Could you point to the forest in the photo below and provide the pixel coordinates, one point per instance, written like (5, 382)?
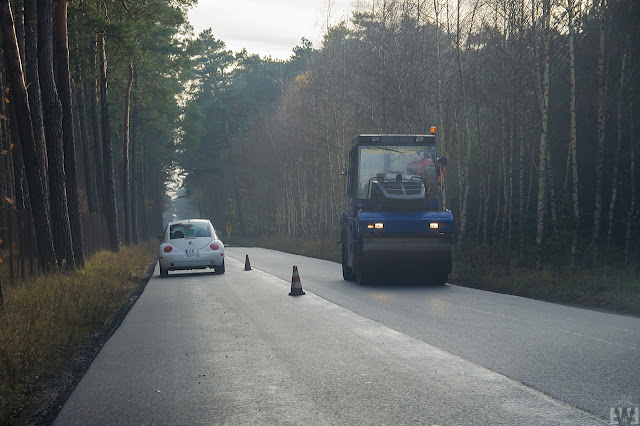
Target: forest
(534, 103)
(88, 127)
(107, 103)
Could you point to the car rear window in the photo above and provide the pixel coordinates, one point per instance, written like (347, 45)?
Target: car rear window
(189, 230)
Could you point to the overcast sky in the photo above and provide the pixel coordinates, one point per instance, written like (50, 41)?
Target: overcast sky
(266, 27)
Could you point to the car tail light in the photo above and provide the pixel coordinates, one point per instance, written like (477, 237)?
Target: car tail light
(167, 249)
(214, 246)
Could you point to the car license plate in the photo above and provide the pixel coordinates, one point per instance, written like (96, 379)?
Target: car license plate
(192, 253)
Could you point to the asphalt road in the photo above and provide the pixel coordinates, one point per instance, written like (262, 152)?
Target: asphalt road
(585, 358)
(199, 348)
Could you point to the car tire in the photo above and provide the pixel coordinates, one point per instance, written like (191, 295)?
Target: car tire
(347, 271)
(219, 269)
(361, 278)
(164, 272)
(359, 274)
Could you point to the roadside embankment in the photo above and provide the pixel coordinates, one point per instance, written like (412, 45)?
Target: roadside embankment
(52, 326)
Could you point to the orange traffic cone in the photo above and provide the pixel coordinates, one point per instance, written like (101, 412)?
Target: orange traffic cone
(296, 286)
(247, 264)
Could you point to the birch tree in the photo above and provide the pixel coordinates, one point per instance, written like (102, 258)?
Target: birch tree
(600, 133)
(441, 133)
(572, 133)
(464, 151)
(542, 86)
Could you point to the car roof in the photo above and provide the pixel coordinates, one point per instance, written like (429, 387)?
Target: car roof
(189, 220)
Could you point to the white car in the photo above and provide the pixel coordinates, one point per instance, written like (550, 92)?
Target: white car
(190, 244)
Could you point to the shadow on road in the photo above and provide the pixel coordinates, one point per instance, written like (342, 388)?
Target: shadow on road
(388, 282)
(183, 274)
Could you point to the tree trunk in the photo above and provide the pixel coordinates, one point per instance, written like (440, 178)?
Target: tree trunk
(5, 169)
(52, 109)
(552, 189)
(510, 192)
(496, 218)
(600, 135)
(84, 141)
(631, 215)
(572, 135)
(8, 153)
(31, 238)
(521, 202)
(64, 85)
(464, 162)
(97, 124)
(10, 242)
(19, 24)
(156, 196)
(505, 179)
(126, 181)
(144, 216)
(236, 190)
(17, 166)
(134, 162)
(543, 101)
(87, 149)
(487, 199)
(32, 79)
(616, 155)
(441, 135)
(111, 209)
(33, 157)
(23, 242)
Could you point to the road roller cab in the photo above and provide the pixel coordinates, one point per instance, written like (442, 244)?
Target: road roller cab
(394, 220)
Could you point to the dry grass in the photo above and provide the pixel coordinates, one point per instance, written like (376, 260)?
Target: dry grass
(44, 320)
(614, 288)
